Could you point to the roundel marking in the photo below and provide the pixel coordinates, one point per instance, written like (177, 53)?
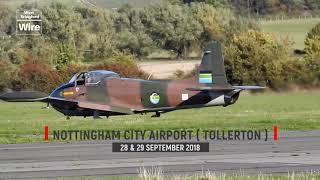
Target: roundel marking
(154, 98)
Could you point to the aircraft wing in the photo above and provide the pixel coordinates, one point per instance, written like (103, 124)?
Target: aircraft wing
(24, 96)
(95, 106)
(104, 107)
(249, 87)
(34, 96)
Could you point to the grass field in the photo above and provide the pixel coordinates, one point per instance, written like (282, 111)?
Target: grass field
(293, 28)
(23, 122)
(156, 174)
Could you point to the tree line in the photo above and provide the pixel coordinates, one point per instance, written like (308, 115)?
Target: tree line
(265, 7)
(82, 38)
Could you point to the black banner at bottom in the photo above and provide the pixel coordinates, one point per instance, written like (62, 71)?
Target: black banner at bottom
(160, 147)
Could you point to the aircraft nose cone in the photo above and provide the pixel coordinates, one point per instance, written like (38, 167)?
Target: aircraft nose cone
(58, 92)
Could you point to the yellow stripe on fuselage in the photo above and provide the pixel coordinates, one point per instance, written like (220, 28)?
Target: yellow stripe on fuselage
(67, 93)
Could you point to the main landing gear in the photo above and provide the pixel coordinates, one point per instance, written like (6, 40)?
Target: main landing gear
(96, 114)
(157, 114)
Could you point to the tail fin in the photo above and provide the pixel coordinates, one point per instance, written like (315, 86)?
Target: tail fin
(212, 71)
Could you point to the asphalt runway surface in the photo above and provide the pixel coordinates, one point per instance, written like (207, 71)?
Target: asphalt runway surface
(294, 151)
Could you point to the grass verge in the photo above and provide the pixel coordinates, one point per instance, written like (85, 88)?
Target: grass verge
(156, 174)
(296, 29)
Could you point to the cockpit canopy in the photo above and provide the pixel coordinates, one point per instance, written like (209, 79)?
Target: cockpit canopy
(92, 78)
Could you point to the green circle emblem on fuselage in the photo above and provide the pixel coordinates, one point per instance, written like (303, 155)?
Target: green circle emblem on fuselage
(154, 98)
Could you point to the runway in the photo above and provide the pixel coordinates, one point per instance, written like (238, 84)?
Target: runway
(294, 151)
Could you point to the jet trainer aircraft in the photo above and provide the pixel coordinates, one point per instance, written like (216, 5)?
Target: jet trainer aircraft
(105, 93)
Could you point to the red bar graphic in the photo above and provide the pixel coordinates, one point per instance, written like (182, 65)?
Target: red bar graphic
(275, 133)
(46, 133)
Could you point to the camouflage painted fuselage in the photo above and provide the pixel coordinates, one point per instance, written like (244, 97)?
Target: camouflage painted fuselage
(128, 96)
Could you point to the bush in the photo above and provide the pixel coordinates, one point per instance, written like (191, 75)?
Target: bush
(179, 74)
(315, 31)
(312, 56)
(312, 42)
(172, 27)
(255, 57)
(210, 19)
(123, 64)
(37, 76)
(65, 56)
(67, 71)
(6, 72)
(295, 71)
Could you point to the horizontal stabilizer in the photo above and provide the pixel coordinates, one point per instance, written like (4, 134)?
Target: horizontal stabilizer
(226, 88)
(24, 96)
(249, 87)
(211, 88)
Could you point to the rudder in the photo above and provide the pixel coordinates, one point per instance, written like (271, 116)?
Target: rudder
(212, 71)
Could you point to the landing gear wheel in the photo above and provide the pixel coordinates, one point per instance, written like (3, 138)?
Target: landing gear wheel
(157, 114)
(68, 117)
